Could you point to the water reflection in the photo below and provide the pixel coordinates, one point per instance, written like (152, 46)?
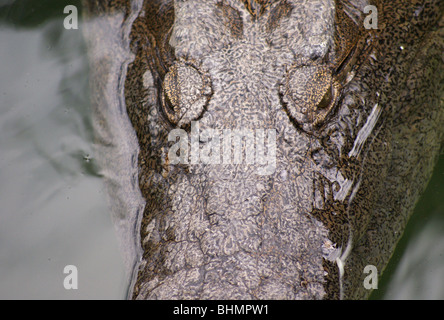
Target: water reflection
(416, 270)
(52, 205)
(420, 273)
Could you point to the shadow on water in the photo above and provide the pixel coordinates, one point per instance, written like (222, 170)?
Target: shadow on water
(31, 13)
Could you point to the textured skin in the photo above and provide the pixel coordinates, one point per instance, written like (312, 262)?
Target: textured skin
(358, 116)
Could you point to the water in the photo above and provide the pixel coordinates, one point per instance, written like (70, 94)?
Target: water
(416, 270)
(53, 209)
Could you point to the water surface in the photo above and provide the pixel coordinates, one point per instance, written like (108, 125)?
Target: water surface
(53, 209)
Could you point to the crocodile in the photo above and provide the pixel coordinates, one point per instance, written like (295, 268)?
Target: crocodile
(267, 149)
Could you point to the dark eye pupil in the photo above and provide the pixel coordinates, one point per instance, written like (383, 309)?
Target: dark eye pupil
(326, 100)
(169, 101)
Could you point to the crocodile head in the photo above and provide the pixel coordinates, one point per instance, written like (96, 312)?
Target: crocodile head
(283, 144)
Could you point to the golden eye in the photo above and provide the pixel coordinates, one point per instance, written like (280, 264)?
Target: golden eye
(186, 92)
(171, 90)
(309, 95)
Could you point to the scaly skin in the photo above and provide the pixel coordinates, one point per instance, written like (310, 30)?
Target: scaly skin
(358, 116)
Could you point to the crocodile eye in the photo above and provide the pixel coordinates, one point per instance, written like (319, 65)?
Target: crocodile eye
(326, 100)
(186, 92)
(309, 94)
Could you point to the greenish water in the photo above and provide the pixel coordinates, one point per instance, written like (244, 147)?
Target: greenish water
(416, 270)
(53, 209)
